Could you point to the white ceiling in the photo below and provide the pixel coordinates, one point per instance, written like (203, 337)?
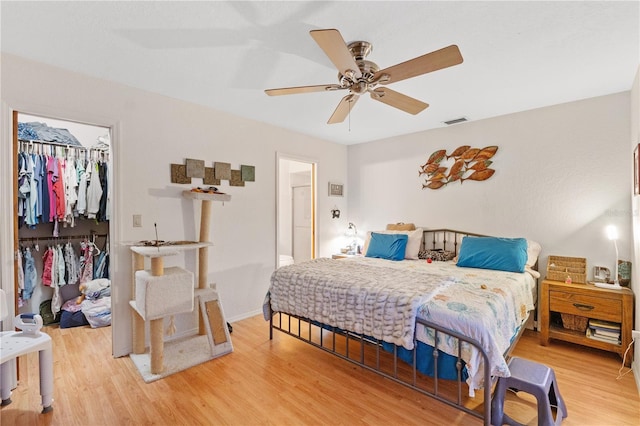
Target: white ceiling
(517, 55)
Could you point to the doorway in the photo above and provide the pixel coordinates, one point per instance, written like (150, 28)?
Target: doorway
(296, 215)
(66, 225)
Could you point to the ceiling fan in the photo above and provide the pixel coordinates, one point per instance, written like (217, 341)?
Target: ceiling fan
(360, 76)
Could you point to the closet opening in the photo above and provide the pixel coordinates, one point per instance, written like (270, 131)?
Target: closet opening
(62, 209)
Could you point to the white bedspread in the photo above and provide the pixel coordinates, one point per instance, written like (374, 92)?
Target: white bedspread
(381, 298)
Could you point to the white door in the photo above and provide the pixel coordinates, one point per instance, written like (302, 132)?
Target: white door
(302, 223)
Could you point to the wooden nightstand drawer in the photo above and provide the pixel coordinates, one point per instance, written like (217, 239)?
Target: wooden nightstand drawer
(584, 305)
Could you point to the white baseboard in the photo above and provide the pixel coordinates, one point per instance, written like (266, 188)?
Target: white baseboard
(245, 316)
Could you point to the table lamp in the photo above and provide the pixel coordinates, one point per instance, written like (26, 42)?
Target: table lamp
(612, 234)
(352, 232)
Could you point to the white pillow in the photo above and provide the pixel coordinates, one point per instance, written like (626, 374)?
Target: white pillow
(533, 251)
(414, 242)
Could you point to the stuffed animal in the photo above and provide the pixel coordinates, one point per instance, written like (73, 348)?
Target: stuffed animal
(94, 289)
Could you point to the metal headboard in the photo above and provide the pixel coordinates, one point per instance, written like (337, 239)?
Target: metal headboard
(444, 239)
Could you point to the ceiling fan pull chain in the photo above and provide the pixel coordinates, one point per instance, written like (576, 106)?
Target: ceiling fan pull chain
(349, 116)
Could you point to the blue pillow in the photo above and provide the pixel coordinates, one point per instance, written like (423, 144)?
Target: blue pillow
(502, 254)
(387, 246)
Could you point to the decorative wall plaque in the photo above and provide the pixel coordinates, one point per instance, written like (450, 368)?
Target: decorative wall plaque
(335, 189)
(236, 178)
(464, 163)
(195, 168)
(179, 174)
(182, 173)
(209, 177)
(248, 173)
(222, 170)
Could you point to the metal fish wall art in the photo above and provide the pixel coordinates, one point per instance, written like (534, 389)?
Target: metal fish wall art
(468, 164)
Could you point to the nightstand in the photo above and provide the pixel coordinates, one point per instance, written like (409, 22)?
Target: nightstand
(586, 300)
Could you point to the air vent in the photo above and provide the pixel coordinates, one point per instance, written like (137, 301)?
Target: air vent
(455, 121)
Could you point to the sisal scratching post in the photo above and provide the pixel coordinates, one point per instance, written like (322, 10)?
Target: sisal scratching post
(201, 328)
(203, 259)
(138, 333)
(137, 264)
(203, 256)
(157, 346)
(157, 340)
(216, 326)
(157, 266)
(216, 322)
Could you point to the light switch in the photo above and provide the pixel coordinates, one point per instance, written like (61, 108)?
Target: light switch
(137, 221)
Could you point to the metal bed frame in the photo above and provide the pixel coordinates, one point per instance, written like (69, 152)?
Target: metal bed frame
(314, 334)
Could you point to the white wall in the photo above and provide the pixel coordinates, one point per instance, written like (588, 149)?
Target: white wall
(562, 174)
(149, 133)
(635, 279)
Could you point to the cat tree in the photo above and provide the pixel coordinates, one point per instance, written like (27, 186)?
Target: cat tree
(158, 293)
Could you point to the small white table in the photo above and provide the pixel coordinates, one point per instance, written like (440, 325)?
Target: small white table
(14, 344)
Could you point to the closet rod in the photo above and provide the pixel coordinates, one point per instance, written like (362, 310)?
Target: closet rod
(68, 237)
(65, 145)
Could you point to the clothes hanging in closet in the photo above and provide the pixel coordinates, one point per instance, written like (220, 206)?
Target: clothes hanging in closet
(62, 264)
(30, 274)
(58, 185)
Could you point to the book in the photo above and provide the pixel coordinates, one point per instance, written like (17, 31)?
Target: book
(601, 338)
(605, 333)
(605, 325)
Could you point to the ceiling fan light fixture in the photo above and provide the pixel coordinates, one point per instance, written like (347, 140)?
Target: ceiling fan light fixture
(456, 121)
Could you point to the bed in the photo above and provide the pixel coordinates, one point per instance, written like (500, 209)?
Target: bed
(432, 325)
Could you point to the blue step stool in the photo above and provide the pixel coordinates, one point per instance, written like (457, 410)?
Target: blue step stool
(535, 379)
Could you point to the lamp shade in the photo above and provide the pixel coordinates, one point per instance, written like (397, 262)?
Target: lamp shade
(612, 234)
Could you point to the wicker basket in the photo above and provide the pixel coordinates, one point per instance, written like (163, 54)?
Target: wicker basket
(559, 268)
(575, 322)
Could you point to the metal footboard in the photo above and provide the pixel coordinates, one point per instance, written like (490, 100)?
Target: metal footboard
(370, 355)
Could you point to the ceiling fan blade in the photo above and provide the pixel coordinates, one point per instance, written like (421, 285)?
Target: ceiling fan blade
(398, 100)
(343, 109)
(436, 60)
(303, 89)
(335, 48)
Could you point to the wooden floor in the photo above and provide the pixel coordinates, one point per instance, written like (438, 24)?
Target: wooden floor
(287, 382)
